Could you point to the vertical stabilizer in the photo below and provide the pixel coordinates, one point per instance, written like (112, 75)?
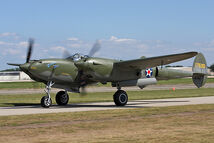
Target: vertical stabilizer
(199, 69)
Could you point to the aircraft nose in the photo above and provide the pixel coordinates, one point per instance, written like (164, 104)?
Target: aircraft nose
(25, 67)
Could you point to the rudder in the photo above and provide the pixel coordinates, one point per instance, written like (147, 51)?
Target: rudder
(199, 69)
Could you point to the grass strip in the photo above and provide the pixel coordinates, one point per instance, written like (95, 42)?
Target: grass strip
(177, 124)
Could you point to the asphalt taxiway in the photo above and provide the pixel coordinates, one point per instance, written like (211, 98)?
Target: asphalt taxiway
(24, 110)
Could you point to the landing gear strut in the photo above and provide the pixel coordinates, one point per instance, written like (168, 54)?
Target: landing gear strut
(120, 98)
(46, 101)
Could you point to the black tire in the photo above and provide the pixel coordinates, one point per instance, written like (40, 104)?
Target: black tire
(45, 103)
(120, 98)
(62, 98)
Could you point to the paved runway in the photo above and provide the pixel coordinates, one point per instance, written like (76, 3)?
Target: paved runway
(23, 110)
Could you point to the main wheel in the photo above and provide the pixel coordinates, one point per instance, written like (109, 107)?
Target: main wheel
(120, 98)
(62, 98)
(45, 102)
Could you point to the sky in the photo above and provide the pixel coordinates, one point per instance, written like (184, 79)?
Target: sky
(127, 29)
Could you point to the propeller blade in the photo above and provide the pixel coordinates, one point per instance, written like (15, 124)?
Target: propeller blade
(96, 47)
(83, 91)
(30, 48)
(66, 54)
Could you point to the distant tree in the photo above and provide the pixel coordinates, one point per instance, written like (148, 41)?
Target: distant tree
(178, 66)
(212, 67)
(143, 57)
(168, 66)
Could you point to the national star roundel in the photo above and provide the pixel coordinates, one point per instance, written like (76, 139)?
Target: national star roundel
(148, 72)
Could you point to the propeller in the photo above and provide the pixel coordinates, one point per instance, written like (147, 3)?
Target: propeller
(29, 52)
(30, 48)
(95, 48)
(83, 91)
(66, 54)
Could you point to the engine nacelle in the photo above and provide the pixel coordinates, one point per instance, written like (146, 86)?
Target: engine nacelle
(143, 82)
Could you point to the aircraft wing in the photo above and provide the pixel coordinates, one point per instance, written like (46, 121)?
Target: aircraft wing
(153, 61)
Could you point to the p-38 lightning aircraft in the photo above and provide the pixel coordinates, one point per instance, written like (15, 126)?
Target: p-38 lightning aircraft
(77, 71)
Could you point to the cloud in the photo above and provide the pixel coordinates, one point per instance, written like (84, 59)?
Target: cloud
(209, 44)
(58, 48)
(209, 49)
(3, 43)
(6, 43)
(206, 47)
(14, 44)
(75, 45)
(143, 46)
(7, 34)
(10, 51)
(115, 39)
(22, 44)
(73, 39)
(13, 51)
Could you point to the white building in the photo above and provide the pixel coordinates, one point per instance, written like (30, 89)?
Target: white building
(13, 76)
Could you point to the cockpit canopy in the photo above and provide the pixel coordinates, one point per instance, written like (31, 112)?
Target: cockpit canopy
(77, 57)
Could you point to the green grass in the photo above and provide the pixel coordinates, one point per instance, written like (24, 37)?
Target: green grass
(21, 85)
(177, 124)
(34, 99)
(36, 85)
(17, 120)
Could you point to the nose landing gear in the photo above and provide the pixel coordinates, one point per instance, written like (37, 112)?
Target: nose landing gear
(62, 97)
(46, 101)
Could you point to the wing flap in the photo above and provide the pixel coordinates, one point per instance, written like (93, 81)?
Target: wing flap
(153, 61)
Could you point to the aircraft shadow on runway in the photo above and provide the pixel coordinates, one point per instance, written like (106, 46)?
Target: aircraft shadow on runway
(132, 104)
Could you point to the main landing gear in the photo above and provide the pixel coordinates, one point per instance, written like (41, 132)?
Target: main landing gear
(120, 98)
(62, 97)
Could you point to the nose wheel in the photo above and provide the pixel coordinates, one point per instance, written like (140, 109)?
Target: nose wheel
(120, 98)
(46, 101)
